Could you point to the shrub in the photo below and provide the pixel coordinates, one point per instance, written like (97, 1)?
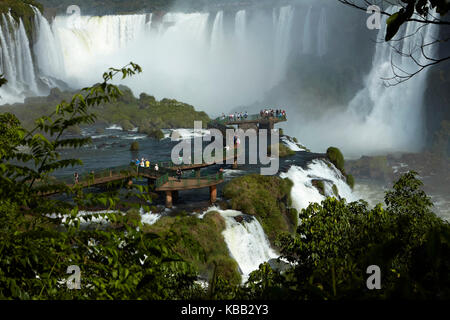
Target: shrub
(266, 197)
(134, 146)
(126, 125)
(336, 158)
(319, 185)
(335, 189)
(350, 181)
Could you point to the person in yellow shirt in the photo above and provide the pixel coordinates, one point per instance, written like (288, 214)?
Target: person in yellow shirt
(147, 164)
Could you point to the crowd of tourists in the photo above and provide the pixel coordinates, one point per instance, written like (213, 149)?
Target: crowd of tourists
(237, 116)
(145, 163)
(265, 113)
(271, 113)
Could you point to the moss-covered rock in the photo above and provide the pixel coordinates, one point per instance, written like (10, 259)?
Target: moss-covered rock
(319, 185)
(283, 151)
(268, 199)
(152, 132)
(134, 146)
(336, 190)
(126, 125)
(350, 181)
(336, 158)
(200, 242)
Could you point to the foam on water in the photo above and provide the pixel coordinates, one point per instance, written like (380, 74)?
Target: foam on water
(246, 241)
(303, 192)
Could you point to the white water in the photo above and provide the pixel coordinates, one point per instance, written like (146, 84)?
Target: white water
(200, 59)
(380, 119)
(246, 241)
(16, 61)
(282, 45)
(291, 144)
(181, 54)
(307, 36)
(47, 49)
(322, 33)
(185, 134)
(304, 193)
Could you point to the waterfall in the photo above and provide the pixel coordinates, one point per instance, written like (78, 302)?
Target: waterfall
(47, 49)
(179, 54)
(307, 33)
(240, 26)
(322, 34)
(282, 43)
(16, 61)
(303, 191)
(391, 117)
(245, 240)
(217, 34)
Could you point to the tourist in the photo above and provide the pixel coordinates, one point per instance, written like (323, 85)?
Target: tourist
(147, 163)
(142, 164)
(137, 162)
(179, 174)
(156, 167)
(76, 176)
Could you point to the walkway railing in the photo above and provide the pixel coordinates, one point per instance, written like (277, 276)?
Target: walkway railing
(189, 182)
(161, 180)
(90, 177)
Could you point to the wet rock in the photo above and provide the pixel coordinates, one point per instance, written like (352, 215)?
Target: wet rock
(319, 185)
(279, 265)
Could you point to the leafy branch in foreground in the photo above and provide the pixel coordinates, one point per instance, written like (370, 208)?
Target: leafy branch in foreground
(422, 12)
(40, 237)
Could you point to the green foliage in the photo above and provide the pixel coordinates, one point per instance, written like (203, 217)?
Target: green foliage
(319, 185)
(134, 146)
(126, 125)
(336, 158)
(350, 181)
(266, 197)
(336, 242)
(153, 133)
(283, 151)
(127, 111)
(421, 7)
(116, 260)
(200, 242)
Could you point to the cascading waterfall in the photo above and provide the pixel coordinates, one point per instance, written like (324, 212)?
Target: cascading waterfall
(392, 116)
(381, 118)
(240, 28)
(179, 54)
(282, 42)
(246, 241)
(303, 191)
(17, 62)
(217, 34)
(307, 35)
(47, 50)
(322, 34)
